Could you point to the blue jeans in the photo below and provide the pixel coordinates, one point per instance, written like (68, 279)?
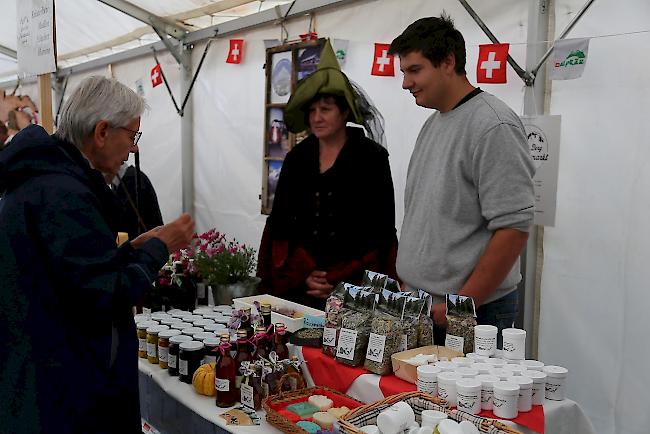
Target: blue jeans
(500, 313)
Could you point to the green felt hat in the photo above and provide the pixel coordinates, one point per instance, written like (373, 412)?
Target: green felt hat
(327, 79)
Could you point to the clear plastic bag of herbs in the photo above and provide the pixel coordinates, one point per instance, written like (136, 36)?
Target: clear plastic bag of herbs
(461, 319)
(411, 309)
(333, 312)
(355, 327)
(378, 282)
(383, 342)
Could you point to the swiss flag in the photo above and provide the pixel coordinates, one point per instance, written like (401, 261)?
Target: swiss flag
(236, 51)
(156, 75)
(492, 61)
(383, 64)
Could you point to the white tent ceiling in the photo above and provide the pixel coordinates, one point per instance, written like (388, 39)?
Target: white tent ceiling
(87, 30)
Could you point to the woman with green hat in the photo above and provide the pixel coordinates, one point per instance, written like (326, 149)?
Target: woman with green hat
(334, 209)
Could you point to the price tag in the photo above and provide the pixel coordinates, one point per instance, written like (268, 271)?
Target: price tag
(247, 395)
(347, 341)
(329, 337)
(151, 350)
(182, 366)
(171, 361)
(223, 385)
(454, 343)
(162, 354)
(376, 346)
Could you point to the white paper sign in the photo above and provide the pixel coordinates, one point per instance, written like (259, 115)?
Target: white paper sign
(35, 37)
(543, 134)
(329, 336)
(347, 341)
(223, 385)
(454, 343)
(376, 346)
(247, 395)
(569, 58)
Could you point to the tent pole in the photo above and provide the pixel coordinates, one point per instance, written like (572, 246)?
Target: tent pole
(187, 132)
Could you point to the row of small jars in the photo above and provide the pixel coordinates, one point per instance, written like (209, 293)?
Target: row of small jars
(506, 390)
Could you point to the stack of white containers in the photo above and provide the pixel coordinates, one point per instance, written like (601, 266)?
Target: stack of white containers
(490, 379)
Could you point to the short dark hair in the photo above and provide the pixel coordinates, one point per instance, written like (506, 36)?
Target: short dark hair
(339, 100)
(436, 38)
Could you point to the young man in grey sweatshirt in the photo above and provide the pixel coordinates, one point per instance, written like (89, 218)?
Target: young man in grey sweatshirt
(469, 201)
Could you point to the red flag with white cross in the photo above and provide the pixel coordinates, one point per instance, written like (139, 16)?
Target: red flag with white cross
(156, 75)
(492, 61)
(236, 51)
(383, 63)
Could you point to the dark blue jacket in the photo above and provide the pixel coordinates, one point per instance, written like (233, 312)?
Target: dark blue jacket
(68, 357)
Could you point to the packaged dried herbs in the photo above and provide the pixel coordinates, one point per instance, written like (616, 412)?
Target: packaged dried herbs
(425, 330)
(378, 281)
(353, 338)
(307, 337)
(411, 309)
(383, 342)
(333, 307)
(461, 319)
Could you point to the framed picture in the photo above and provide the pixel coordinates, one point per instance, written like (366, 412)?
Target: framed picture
(285, 66)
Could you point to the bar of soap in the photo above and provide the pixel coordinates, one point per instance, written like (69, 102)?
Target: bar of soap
(302, 409)
(310, 427)
(322, 402)
(338, 411)
(324, 420)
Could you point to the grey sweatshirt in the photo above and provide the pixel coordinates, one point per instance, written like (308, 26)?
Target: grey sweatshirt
(470, 174)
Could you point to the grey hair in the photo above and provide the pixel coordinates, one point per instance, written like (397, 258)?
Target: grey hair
(98, 98)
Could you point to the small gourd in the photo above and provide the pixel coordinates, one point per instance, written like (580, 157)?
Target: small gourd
(203, 380)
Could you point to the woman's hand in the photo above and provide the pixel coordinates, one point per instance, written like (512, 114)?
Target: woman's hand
(318, 285)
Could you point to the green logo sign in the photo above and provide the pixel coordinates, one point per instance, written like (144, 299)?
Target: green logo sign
(576, 57)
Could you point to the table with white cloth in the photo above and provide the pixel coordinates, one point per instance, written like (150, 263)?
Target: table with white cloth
(171, 406)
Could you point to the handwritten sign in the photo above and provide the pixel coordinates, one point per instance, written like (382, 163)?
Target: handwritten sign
(35, 28)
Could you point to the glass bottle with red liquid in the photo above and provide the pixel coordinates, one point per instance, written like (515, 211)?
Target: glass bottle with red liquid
(225, 375)
(261, 344)
(244, 353)
(280, 341)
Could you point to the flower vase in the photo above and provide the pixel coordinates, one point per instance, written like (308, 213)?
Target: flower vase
(224, 293)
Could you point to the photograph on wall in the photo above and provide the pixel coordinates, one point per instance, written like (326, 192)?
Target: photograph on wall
(277, 134)
(308, 59)
(272, 181)
(281, 77)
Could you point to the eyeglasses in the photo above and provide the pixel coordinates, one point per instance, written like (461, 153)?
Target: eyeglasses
(136, 137)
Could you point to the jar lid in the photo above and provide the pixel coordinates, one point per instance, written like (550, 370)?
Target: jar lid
(179, 339)
(211, 341)
(202, 322)
(448, 377)
(482, 368)
(485, 329)
(461, 361)
(173, 311)
(191, 330)
(523, 382)
(532, 364)
(506, 388)
(181, 325)
(154, 330)
(515, 369)
(202, 310)
(496, 362)
(145, 324)
(445, 366)
(466, 372)
(181, 314)
(468, 384)
(211, 315)
(169, 333)
(191, 318)
(514, 333)
(428, 371)
(191, 346)
(501, 373)
(199, 336)
(556, 371)
(487, 379)
(535, 375)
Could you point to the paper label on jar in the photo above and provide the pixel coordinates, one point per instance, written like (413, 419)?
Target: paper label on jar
(182, 366)
(347, 341)
(142, 345)
(329, 337)
(200, 290)
(151, 349)
(376, 346)
(171, 361)
(455, 343)
(247, 395)
(403, 343)
(223, 385)
(162, 353)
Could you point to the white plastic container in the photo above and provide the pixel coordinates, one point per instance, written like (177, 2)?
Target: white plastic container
(447, 387)
(525, 401)
(555, 382)
(445, 366)
(514, 344)
(539, 386)
(506, 396)
(462, 361)
(468, 391)
(485, 340)
(476, 357)
(496, 362)
(428, 379)
(466, 372)
(532, 365)
(487, 390)
(395, 418)
(432, 418)
(515, 369)
(501, 374)
(482, 368)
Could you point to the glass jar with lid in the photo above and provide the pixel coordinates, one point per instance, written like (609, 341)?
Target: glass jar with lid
(163, 346)
(142, 337)
(152, 342)
(172, 354)
(190, 355)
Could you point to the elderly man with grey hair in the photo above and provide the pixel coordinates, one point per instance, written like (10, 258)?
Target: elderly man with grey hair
(69, 349)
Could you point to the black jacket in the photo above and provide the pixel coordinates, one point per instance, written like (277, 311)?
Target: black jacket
(69, 350)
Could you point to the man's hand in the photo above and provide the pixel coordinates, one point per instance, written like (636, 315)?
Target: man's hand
(318, 285)
(142, 238)
(176, 235)
(438, 313)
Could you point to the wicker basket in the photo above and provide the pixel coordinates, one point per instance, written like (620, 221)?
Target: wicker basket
(281, 422)
(419, 401)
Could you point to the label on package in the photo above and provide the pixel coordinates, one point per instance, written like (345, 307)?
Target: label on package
(223, 385)
(142, 345)
(151, 350)
(171, 361)
(313, 322)
(162, 354)
(247, 395)
(329, 337)
(182, 366)
(454, 343)
(376, 346)
(347, 341)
